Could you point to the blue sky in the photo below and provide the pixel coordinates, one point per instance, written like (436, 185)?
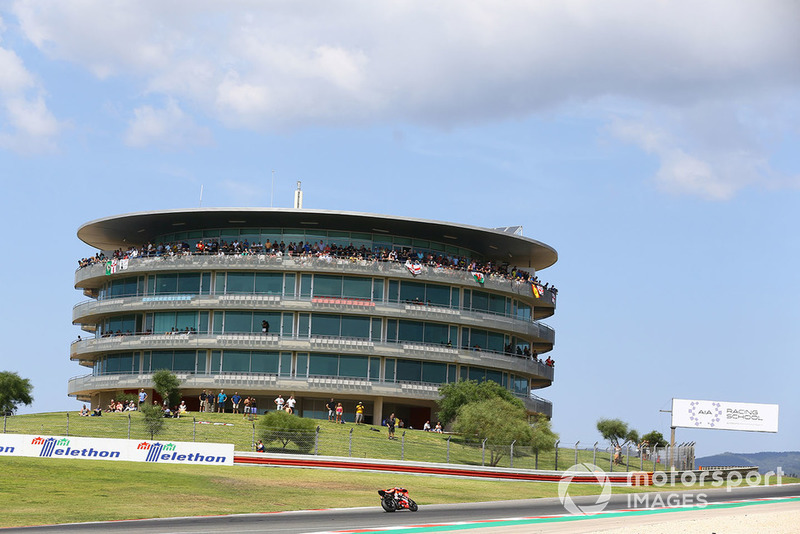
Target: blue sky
(652, 145)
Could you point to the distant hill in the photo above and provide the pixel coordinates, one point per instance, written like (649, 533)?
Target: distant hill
(766, 461)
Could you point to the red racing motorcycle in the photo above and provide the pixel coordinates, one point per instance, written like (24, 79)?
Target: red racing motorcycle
(395, 499)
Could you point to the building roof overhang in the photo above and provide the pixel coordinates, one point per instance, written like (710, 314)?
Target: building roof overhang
(121, 231)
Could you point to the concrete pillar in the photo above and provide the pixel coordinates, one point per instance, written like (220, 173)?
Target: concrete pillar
(377, 411)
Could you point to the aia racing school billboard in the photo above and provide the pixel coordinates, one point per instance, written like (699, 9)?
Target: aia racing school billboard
(722, 415)
(129, 450)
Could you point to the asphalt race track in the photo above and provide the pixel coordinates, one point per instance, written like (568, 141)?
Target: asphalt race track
(375, 517)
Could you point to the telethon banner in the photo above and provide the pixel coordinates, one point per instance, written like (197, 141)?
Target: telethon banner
(167, 452)
(721, 415)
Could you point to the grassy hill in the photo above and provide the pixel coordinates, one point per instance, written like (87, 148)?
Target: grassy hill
(364, 441)
(789, 461)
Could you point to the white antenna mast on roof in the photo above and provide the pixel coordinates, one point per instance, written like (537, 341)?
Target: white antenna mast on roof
(272, 190)
(201, 196)
(298, 197)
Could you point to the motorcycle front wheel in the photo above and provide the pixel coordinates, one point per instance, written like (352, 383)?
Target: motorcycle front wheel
(388, 504)
(412, 505)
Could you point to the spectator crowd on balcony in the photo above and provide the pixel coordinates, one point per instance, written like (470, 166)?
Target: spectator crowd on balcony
(414, 260)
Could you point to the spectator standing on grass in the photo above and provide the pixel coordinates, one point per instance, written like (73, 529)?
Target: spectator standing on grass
(246, 407)
(253, 408)
(290, 404)
(339, 412)
(221, 398)
(203, 400)
(235, 400)
(279, 402)
(331, 406)
(142, 396)
(359, 413)
(390, 425)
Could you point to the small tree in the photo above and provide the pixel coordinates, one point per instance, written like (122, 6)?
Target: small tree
(654, 439)
(153, 419)
(457, 394)
(495, 420)
(168, 386)
(286, 428)
(543, 439)
(617, 432)
(14, 390)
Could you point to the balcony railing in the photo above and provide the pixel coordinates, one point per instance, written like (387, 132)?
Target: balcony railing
(314, 264)
(467, 317)
(275, 342)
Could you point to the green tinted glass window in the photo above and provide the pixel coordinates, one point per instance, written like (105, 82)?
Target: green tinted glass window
(189, 283)
(234, 361)
(240, 283)
(264, 362)
(323, 364)
(327, 285)
(357, 287)
(166, 284)
(353, 366)
(436, 333)
(269, 283)
(412, 292)
(434, 372)
(409, 370)
(240, 322)
(410, 331)
(374, 369)
(355, 326)
(183, 361)
(476, 373)
(437, 295)
(161, 360)
(494, 376)
(324, 324)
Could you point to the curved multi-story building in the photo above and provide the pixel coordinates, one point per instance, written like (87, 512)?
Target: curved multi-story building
(361, 324)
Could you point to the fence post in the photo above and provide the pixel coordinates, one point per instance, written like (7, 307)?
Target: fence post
(129, 426)
(67, 424)
(576, 451)
(403, 446)
(511, 458)
(253, 443)
(316, 442)
(628, 457)
(350, 444)
(448, 449)
(557, 442)
(536, 459)
(641, 457)
(594, 454)
(194, 428)
(611, 459)
(5, 416)
(483, 452)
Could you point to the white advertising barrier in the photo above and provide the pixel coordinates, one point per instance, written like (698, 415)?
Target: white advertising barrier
(167, 452)
(721, 415)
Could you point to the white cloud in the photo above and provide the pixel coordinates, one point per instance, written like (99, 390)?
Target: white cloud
(166, 127)
(26, 124)
(270, 64)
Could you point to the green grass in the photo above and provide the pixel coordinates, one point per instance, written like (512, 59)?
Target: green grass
(48, 491)
(334, 440)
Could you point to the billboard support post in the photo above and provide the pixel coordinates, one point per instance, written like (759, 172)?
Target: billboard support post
(672, 448)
